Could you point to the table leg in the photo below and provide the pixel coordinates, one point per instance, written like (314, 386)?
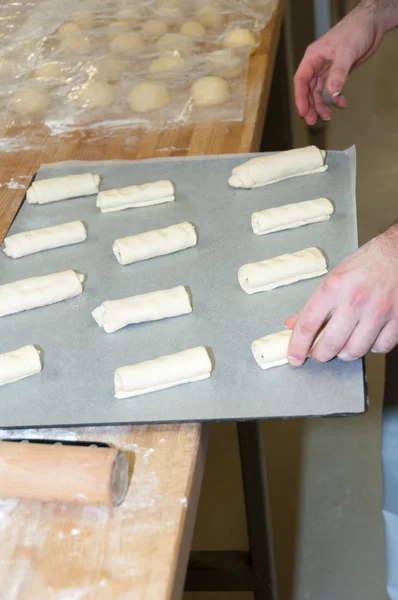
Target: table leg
(257, 509)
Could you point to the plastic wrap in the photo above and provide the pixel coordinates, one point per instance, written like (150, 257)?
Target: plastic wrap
(73, 65)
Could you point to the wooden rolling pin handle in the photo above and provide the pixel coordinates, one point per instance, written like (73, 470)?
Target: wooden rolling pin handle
(56, 473)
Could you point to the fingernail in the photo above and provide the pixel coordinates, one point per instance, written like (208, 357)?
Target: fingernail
(335, 88)
(327, 118)
(295, 362)
(376, 351)
(344, 357)
(336, 94)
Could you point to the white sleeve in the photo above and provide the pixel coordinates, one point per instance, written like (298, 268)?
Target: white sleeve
(29, 242)
(282, 270)
(272, 350)
(113, 315)
(164, 372)
(291, 216)
(19, 364)
(39, 291)
(272, 168)
(136, 196)
(62, 188)
(155, 243)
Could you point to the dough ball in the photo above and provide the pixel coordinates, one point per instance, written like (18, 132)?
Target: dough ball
(193, 29)
(240, 38)
(110, 69)
(117, 27)
(96, 94)
(225, 63)
(170, 10)
(210, 91)
(209, 16)
(126, 42)
(76, 44)
(132, 15)
(155, 27)
(51, 71)
(166, 64)
(7, 70)
(176, 43)
(84, 19)
(149, 95)
(67, 28)
(30, 100)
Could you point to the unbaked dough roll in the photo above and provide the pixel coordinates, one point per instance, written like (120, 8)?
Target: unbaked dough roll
(29, 242)
(62, 188)
(155, 243)
(116, 314)
(272, 168)
(161, 373)
(272, 350)
(19, 364)
(135, 196)
(291, 216)
(282, 270)
(39, 291)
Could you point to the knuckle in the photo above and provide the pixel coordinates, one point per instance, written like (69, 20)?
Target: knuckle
(358, 296)
(332, 284)
(382, 307)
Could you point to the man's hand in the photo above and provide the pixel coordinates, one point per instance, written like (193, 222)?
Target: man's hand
(330, 59)
(357, 304)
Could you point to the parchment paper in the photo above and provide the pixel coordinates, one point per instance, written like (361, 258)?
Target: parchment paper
(76, 385)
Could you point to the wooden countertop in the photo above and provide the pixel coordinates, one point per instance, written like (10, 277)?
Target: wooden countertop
(139, 550)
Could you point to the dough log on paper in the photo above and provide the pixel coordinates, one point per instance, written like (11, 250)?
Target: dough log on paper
(116, 314)
(272, 168)
(39, 291)
(164, 372)
(63, 188)
(29, 242)
(135, 196)
(155, 243)
(282, 270)
(19, 364)
(291, 216)
(272, 350)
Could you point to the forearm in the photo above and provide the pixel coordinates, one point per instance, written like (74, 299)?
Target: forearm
(384, 11)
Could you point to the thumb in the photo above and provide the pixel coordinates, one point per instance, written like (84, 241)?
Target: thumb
(290, 322)
(339, 72)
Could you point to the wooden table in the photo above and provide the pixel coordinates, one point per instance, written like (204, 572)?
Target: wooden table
(141, 549)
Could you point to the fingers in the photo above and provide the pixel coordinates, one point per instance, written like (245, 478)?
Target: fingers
(309, 322)
(306, 75)
(339, 72)
(319, 101)
(387, 338)
(290, 322)
(335, 335)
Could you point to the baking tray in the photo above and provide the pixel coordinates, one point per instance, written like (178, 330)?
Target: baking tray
(76, 385)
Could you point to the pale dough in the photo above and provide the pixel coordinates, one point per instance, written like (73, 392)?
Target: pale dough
(282, 270)
(162, 373)
(18, 364)
(225, 63)
(149, 95)
(68, 28)
(154, 27)
(291, 216)
(210, 91)
(134, 196)
(155, 243)
(117, 27)
(30, 100)
(167, 63)
(209, 16)
(51, 71)
(84, 19)
(133, 15)
(75, 44)
(110, 69)
(193, 29)
(62, 188)
(272, 350)
(96, 94)
(176, 43)
(113, 315)
(240, 38)
(170, 10)
(29, 242)
(272, 168)
(39, 291)
(125, 42)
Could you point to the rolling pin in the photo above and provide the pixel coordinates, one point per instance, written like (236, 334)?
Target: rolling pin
(53, 472)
